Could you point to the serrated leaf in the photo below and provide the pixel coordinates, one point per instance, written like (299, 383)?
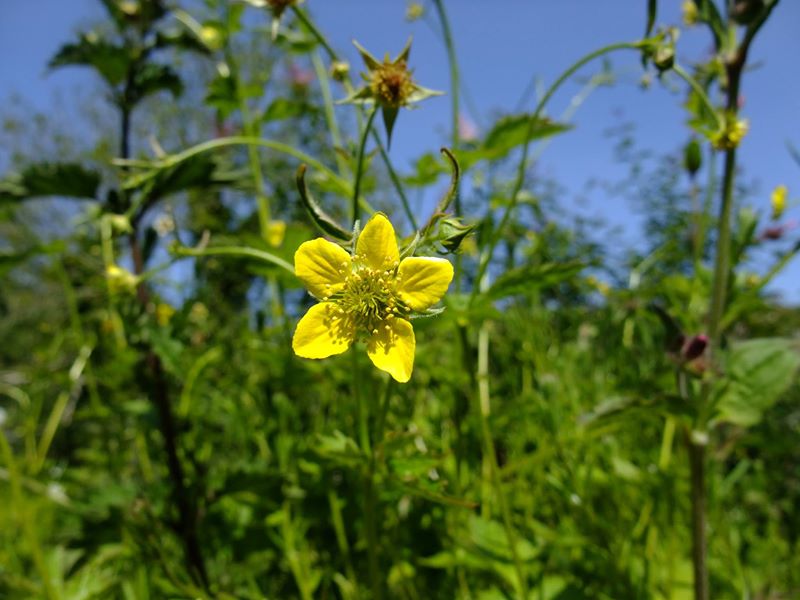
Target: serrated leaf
(758, 372)
(532, 277)
(283, 108)
(110, 61)
(51, 179)
(153, 78)
(507, 134)
(340, 449)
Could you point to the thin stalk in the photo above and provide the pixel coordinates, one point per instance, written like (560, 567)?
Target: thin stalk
(519, 181)
(371, 504)
(182, 500)
(697, 469)
(333, 56)
(235, 251)
(175, 159)
(360, 163)
(262, 202)
(330, 114)
(455, 140)
(398, 186)
(28, 522)
(489, 453)
(454, 83)
(341, 539)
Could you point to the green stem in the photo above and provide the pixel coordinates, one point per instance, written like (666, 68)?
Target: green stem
(249, 127)
(454, 82)
(333, 56)
(27, 519)
(523, 163)
(698, 89)
(398, 186)
(371, 507)
(330, 114)
(235, 251)
(236, 140)
(723, 252)
(360, 163)
(490, 455)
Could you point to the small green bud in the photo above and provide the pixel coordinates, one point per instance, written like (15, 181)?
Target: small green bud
(692, 157)
(340, 70)
(744, 12)
(452, 233)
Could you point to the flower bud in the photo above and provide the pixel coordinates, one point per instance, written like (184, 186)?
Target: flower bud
(692, 157)
(340, 70)
(778, 201)
(415, 11)
(452, 233)
(690, 13)
(744, 12)
(694, 347)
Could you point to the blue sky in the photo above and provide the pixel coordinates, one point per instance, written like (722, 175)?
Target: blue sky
(502, 46)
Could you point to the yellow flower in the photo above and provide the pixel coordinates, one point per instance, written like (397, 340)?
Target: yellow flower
(164, 312)
(276, 231)
(730, 133)
(778, 200)
(369, 295)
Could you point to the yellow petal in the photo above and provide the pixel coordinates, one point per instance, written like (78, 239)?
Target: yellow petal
(392, 349)
(378, 244)
(423, 281)
(322, 266)
(322, 332)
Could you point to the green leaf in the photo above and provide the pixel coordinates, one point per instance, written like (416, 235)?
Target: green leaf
(531, 277)
(110, 61)
(153, 78)
(506, 135)
(758, 372)
(181, 39)
(222, 95)
(340, 449)
(652, 11)
(283, 108)
(51, 179)
(707, 13)
(202, 171)
(12, 259)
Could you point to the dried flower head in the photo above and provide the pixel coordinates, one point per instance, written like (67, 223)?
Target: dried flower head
(389, 84)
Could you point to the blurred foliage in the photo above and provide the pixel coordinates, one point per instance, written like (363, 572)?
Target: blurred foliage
(159, 439)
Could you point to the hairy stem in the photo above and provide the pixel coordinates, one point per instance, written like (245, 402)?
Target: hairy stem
(360, 163)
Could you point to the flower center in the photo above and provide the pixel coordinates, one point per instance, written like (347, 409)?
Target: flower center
(391, 83)
(370, 297)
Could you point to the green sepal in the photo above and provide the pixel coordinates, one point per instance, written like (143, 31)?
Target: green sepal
(320, 218)
(389, 118)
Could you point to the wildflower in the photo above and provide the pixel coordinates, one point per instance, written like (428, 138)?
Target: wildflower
(389, 84)
(164, 313)
(368, 295)
(730, 133)
(300, 78)
(467, 130)
(276, 231)
(277, 8)
(164, 225)
(120, 280)
(340, 69)
(778, 201)
(414, 11)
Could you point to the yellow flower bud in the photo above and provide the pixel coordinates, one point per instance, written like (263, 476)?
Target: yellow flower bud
(778, 201)
(276, 230)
